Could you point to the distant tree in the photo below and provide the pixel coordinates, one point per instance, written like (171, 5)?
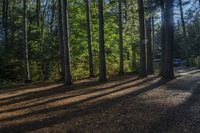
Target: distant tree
(26, 52)
(121, 57)
(60, 36)
(67, 69)
(5, 6)
(142, 39)
(38, 4)
(149, 40)
(180, 3)
(102, 60)
(162, 5)
(89, 36)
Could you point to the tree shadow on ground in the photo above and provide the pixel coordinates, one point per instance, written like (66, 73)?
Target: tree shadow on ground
(184, 118)
(74, 110)
(73, 95)
(97, 106)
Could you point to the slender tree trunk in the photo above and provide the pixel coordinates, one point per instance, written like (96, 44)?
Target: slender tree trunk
(149, 47)
(67, 70)
(3, 11)
(121, 49)
(126, 8)
(184, 29)
(5, 21)
(134, 57)
(88, 26)
(60, 36)
(153, 37)
(169, 41)
(102, 58)
(143, 72)
(162, 37)
(38, 12)
(26, 54)
(199, 3)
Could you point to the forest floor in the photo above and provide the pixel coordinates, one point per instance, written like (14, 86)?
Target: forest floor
(123, 104)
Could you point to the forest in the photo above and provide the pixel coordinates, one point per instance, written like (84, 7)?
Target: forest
(33, 38)
(96, 53)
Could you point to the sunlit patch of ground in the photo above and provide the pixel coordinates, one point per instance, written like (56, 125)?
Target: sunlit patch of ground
(124, 104)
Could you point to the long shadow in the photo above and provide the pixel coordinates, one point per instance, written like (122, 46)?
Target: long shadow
(60, 90)
(181, 115)
(103, 104)
(27, 86)
(75, 103)
(76, 86)
(97, 107)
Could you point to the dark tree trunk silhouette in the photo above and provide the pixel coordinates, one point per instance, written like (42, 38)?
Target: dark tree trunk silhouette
(26, 52)
(169, 41)
(121, 49)
(88, 26)
(102, 60)
(153, 37)
(199, 3)
(38, 12)
(60, 36)
(5, 21)
(162, 36)
(67, 69)
(126, 8)
(184, 28)
(143, 72)
(149, 47)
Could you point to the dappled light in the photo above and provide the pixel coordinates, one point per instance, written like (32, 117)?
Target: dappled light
(100, 66)
(45, 108)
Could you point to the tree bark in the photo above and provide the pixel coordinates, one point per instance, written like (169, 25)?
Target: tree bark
(184, 28)
(38, 12)
(153, 37)
(149, 47)
(5, 21)
(67, 69)
(102, 60)
(89, 36)
(162, 37)
(60, 36)
(143, 72)
(126, 8)
(169, 41)
(121, 49)
(26, 52)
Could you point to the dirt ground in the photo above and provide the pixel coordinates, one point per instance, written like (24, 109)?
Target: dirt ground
(120, 105)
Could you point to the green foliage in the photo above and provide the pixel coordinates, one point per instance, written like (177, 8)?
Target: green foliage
(43, 42)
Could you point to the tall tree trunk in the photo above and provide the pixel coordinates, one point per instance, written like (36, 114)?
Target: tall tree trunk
(169, 41)
(26, 54)
(149, 47)
(153, 37)
(126, 8)
(184, 29)
(38, 12)
(121, 49)
(134, 65)
(102, 58)
(60, 36)
(5, 21)
(88, 26)
(199, 3)
(162, 37)
(143, 72)
(67, 65)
